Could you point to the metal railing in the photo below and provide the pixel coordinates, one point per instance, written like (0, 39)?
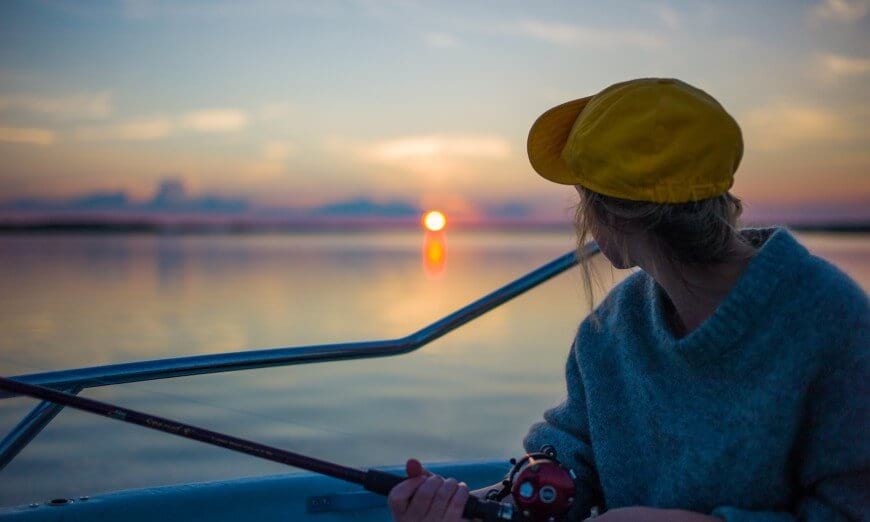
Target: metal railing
(75, 380)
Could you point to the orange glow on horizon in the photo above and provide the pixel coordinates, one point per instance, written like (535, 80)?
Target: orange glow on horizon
(434, 221)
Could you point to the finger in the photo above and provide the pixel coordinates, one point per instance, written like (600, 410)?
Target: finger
(457, 503)
(414, 469)
(442, 499)
(400, 495)
(422, 499)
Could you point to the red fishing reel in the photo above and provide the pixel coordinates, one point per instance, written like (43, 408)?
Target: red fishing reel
(542, 488)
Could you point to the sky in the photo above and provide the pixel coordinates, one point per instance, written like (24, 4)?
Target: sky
(299, 104)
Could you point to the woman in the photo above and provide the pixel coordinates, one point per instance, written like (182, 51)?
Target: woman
(725, 380)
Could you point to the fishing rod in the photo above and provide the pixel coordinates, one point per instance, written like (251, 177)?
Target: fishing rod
(537, 481)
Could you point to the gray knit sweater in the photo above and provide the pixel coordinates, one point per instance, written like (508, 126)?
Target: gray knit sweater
(760, 414)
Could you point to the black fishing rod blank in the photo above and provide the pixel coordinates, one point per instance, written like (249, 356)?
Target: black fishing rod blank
(373, 480)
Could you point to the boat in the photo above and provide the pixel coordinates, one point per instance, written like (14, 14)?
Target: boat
(287, 497)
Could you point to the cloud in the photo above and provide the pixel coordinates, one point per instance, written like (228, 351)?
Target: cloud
(91, 106)
(262, 169)
(434, 155)
(145, 129)
(575, 35)
(277, 151)
(840, 65)
(364, 207)
(438, 146)
(159, 127)
(27, 136)
(171, 195)
(215, 120)
(842, 10)
(440, 40)
(272, 161)
(783, 124)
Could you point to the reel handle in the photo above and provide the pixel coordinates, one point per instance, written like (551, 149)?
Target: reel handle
(490, 511)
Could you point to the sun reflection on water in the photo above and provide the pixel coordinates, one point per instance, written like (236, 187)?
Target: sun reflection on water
(434, 253)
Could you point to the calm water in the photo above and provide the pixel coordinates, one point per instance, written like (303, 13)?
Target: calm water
(69, 301)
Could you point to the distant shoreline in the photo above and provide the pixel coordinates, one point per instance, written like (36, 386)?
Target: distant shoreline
(244, 228)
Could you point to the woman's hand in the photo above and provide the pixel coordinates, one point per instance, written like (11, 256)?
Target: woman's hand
(647, 514)
(425, 497)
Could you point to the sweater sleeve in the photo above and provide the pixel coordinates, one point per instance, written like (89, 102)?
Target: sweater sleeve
(832, 457)
(565, 428)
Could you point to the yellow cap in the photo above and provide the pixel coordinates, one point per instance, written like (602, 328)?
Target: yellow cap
(651, 139)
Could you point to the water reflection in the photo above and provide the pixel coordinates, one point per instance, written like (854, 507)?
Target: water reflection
(170, 261)
(435, 253)
(71, 301)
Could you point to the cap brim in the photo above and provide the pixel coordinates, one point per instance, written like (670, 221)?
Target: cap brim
(547, 138)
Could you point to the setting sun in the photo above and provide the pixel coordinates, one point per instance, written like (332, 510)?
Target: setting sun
(434, 221)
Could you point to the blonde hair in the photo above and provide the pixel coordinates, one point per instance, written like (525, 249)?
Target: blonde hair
(697, 233)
